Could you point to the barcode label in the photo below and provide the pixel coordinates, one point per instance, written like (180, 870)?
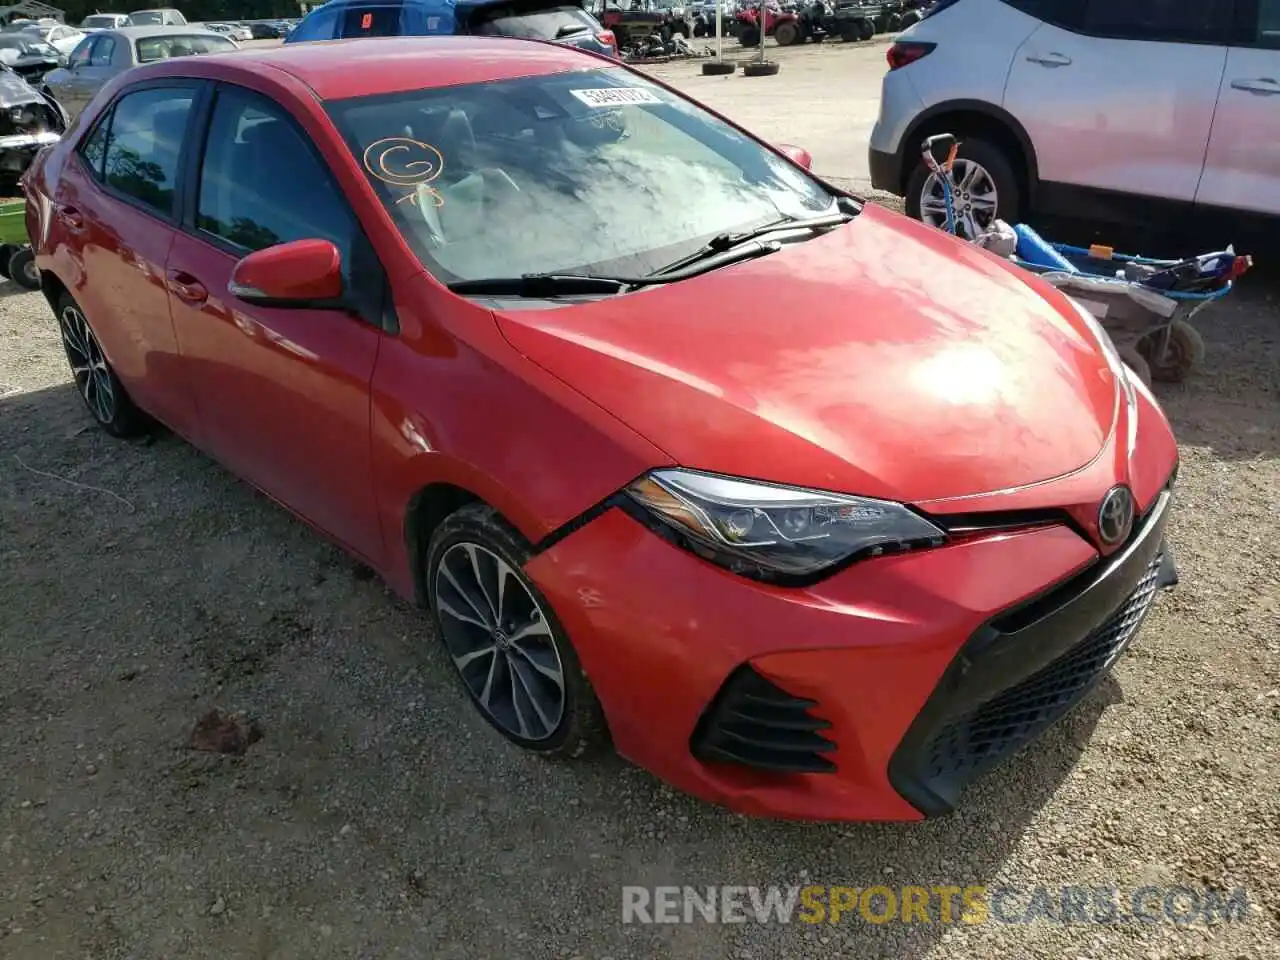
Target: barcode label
(614, 96)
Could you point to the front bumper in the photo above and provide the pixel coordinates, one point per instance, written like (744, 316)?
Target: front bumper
(885, 681)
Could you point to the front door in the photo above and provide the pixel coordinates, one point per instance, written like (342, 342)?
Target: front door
(114, 213)
(283, 394)
(1242, 168)
(1119, 96)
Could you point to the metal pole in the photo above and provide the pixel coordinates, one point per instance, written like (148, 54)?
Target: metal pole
(719, 30)
(764, 12)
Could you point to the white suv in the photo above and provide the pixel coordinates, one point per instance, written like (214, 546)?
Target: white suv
(1161, 113)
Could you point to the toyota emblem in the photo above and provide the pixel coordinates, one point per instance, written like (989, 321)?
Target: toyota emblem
(1115, 515)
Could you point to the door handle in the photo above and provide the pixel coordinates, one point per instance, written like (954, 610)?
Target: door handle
(71, 217)
(187, 288)
(1265, 86)
(1050, 60)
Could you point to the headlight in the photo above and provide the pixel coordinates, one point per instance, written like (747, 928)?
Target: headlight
(771, 532)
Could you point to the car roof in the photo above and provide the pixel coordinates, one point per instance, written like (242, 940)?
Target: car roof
(369, 66)
(135, 33)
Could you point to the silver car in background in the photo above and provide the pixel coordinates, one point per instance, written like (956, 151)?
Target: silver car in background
(106, 53)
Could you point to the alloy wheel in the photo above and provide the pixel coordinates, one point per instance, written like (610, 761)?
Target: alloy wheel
(88, 365)
(501, 642)
(974, 199)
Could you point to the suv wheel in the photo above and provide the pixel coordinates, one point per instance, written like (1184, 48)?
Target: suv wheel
(984, 189)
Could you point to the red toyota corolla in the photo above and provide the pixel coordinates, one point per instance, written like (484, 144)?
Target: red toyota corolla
(816, 511)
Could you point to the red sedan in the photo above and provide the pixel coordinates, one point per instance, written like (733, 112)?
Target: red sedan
(815, 511)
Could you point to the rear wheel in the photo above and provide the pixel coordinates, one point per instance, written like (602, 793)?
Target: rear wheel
(984, 189)
(786, 34)
(23, 270)
(97, 384)
(866, 29)
(849, 31)
(506, 643)
(909, 19)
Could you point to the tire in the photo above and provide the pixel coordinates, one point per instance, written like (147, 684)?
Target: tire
(97, 384)
(909, 19)
(6, 251)
(1137, 363)
(570, 721)
(866, 29)
(749, 36)
(699, 31)
(991, 159)
(1184, 352)
(23, 270)
(895, 23)
(786, 35)
(757, 69)
(718, 68)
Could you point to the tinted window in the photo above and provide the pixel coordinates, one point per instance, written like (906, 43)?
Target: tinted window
(93, 149)
(1192, 21)
(103, 50)
(143, 144)
(146, 18)
(162, 48)
(1264, 30)
(260, 182)
(547, 24)
(407, 20)
(596, 170)
(1062, 13)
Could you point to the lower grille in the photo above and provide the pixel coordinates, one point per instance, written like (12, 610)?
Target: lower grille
(970, 744)
(757, 724)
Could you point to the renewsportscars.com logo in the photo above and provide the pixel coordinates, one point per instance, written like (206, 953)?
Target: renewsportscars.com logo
(945, 904)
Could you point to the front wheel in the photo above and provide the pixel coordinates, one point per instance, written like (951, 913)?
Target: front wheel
(984, 189)
(23, 270)
(97, 384)
(506, 643)
(1182, 354)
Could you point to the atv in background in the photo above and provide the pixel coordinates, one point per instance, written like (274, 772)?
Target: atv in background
(636, 22)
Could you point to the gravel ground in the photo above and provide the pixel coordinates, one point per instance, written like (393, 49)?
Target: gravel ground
(379, 817)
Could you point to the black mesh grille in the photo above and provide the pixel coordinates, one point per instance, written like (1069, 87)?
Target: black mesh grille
(756, 723)
(970, 744)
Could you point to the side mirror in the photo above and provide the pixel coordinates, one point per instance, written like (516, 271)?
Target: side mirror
(303, 273)
(797, 155)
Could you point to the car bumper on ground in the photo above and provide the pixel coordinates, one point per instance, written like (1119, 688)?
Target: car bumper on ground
(876, 694)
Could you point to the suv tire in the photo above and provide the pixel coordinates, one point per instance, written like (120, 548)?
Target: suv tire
(992, 159)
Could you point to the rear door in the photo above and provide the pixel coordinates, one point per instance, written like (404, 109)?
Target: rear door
(1119, 96)
(1242, 169)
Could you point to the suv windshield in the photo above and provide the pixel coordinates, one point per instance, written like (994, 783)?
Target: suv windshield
(595, 170)
(168, 45)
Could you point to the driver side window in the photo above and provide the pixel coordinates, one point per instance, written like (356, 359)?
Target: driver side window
(104, 49)
(80, 55)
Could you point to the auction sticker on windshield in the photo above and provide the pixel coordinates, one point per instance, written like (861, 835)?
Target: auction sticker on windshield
(614, 96)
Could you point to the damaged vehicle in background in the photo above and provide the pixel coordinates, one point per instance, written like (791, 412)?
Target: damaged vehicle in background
(28, 57)
(29, 120)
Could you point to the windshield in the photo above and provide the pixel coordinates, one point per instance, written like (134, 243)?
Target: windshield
(164, 47)
(595, 170)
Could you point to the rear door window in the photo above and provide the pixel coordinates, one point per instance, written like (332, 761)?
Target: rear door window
(1172, 21)
(143, 144)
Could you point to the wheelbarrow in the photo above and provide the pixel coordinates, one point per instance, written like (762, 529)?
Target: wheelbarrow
(17, 260)
(1144, 305)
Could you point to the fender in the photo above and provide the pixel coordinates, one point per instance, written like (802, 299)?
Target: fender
(991, 113)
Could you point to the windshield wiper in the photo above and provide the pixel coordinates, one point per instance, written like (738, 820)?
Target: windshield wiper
(545, 285)
(727, 242)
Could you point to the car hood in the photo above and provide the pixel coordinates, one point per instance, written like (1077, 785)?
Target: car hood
(14, 91)
(884, 358)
